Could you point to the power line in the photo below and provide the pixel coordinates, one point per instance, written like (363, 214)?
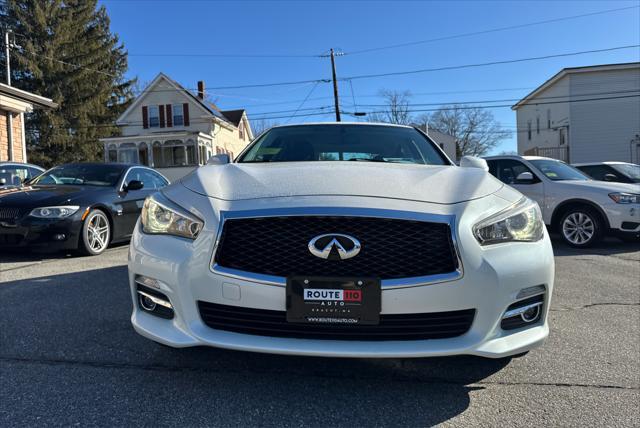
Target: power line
(302, 103)
(492, 30)
(510, 99)
(485, 64)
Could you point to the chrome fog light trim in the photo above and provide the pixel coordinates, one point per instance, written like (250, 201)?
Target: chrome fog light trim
(522, 310)
(154, 299)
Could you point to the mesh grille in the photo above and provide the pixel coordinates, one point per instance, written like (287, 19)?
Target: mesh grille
(261, 322)
(391, 248)
(10, 213)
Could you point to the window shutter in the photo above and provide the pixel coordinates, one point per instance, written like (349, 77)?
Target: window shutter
(161, 113)
(145, 117)
(169, 116)
(185, 113)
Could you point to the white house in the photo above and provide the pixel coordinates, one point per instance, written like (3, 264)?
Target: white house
(445, 141)
(172, 130)
(583, 114)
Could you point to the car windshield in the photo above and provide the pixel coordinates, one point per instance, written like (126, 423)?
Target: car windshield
(630, 170)
(87, 175)
(358, 143)
(557, 170)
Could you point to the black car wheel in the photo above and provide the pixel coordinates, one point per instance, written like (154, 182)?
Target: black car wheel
(96, 233)
(581, 227)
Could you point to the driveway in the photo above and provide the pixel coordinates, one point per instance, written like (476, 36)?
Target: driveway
(68, 355)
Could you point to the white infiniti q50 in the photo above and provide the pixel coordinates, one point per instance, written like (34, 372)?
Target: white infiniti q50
(342, 240)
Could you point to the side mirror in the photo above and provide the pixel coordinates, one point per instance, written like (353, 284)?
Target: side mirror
(474, 162)
(133, 185)
(524, 177)
(220, 159)
(610, 177)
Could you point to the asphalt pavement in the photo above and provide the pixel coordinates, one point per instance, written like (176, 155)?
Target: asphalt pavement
(69, 356)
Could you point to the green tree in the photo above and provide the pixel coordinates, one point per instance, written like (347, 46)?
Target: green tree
(67, 52)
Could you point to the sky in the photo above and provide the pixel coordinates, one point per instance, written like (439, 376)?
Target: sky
(209, 40)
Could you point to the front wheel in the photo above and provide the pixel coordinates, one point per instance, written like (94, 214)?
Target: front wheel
(581, 227)
(96, 233)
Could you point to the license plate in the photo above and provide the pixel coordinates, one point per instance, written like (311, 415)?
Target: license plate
(334, 301)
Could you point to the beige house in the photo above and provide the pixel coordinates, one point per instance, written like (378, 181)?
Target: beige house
(583, 114)
(14, 103)
(174, 131)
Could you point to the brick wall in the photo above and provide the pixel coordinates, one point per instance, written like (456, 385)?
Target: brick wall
(4, 139)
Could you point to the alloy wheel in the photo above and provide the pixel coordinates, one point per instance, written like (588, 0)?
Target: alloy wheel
(578, 228)
(98, 233)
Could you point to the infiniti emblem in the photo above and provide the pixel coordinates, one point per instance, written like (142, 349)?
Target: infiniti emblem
(334, 246)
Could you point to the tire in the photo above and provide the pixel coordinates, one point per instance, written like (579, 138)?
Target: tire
(581, 227)
(96, 233)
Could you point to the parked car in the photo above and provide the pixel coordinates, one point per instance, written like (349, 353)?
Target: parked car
(621, 172)
(344, 240)
(13, 174)
(77, 207)
(580, 209)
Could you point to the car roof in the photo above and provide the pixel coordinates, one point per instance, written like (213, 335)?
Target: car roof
(344, 123)
(602, 163)
(519, 157)
(21, 164)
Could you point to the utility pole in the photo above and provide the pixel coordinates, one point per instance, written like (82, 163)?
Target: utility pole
(335, 85)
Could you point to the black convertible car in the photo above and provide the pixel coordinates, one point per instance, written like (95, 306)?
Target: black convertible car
(83, 206)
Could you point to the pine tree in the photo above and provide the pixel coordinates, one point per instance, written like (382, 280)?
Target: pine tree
(67, 53)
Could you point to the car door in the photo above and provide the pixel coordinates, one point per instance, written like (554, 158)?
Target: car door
(510, 172)
(131, 201)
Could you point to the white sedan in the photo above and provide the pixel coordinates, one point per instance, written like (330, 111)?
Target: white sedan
(343, 240)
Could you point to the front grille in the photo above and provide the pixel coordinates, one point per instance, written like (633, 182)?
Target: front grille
(391, 248)
(7, 213)
(262, 322)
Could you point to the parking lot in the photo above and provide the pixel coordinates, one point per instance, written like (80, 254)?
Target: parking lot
(68, 355)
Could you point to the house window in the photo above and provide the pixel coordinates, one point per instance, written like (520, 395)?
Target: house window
(561, 136)
(174, 153)
(529, 130)
(241, 131)
(154, 117)
(538, 125)
(157, 154)
(112, 153)
(128, 153)
(548, 118)
(178, 118)
(143, 154)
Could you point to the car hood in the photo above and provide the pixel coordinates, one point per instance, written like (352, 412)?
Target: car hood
(602, 186)
(39, 196)
(436, 184)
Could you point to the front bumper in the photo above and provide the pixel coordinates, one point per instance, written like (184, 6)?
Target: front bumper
(35, 233)
(492, 278)
(623, 218)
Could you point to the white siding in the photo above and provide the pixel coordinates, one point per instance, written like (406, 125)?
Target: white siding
(602, 130)
(558, 112)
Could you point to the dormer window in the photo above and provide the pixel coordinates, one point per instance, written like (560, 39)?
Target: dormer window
(178, 115)
(154, 117)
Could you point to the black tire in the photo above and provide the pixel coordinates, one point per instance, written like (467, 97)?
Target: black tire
(94, 237)
(581, 226)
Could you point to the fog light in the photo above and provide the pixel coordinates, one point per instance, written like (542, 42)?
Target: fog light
(59, 237)
(147, 303)
(531, 314)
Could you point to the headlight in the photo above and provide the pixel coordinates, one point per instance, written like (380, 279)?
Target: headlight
(520, 222)
(161, 216)
(54, 212)
(625, 198)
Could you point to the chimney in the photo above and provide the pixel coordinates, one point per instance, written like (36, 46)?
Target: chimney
(201, 89)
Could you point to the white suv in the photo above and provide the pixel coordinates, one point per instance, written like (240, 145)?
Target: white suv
(580, 209)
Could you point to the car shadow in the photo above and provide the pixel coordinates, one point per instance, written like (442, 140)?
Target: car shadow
(81, 321)
(606, 247)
